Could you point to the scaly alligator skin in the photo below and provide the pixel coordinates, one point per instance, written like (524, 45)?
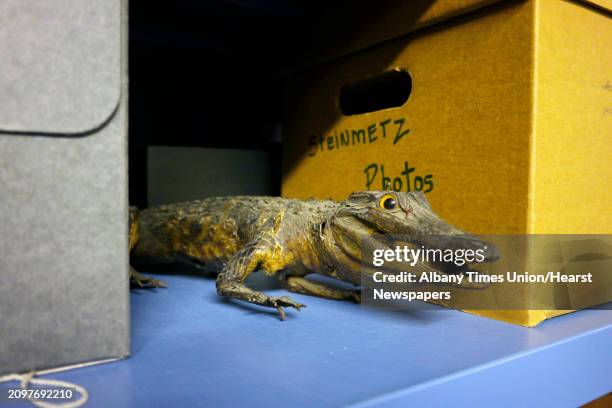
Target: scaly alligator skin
(236, 236)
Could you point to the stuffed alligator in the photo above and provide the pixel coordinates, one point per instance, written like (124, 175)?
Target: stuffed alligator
(236, 236)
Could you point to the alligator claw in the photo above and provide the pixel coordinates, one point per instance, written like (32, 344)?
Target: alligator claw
(142, 281)
(285, 301)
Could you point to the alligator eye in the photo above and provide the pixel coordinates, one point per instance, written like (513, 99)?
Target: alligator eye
(388, 202)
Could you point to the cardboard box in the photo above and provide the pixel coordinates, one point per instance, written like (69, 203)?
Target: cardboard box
(506, 127)
(63, 183)
(344, 30)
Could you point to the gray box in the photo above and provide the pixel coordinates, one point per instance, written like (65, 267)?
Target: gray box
(190, 173)
(63, 183)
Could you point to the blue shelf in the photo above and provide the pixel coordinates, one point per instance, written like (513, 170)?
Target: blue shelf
(192, 348)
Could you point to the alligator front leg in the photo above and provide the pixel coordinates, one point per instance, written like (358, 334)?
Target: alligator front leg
(304, 286)
(142, 281)
(266, 254)
(136, 278)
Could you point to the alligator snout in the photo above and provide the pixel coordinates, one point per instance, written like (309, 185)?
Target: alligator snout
(486, 249)
(481, 251)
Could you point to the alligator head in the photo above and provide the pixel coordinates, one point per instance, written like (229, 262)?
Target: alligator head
(389, 219)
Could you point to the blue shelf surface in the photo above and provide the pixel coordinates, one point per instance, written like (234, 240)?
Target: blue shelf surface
(193, 348)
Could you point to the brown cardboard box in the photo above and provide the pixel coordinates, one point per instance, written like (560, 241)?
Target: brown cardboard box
(507, 127)
(343, 30)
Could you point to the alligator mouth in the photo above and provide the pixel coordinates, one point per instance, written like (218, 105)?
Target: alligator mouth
(382, 240)
(488, 253)
(347, 250)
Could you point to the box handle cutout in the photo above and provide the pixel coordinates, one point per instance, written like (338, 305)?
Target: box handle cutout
(388, 90)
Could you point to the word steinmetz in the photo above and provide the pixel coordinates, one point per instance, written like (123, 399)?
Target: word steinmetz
(395, 129)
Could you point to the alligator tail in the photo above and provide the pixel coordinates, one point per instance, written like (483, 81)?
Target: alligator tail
(134, 225)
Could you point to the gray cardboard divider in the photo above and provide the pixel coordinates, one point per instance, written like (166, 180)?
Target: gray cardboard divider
(63, 200)
(60, 64)
(189, 173)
